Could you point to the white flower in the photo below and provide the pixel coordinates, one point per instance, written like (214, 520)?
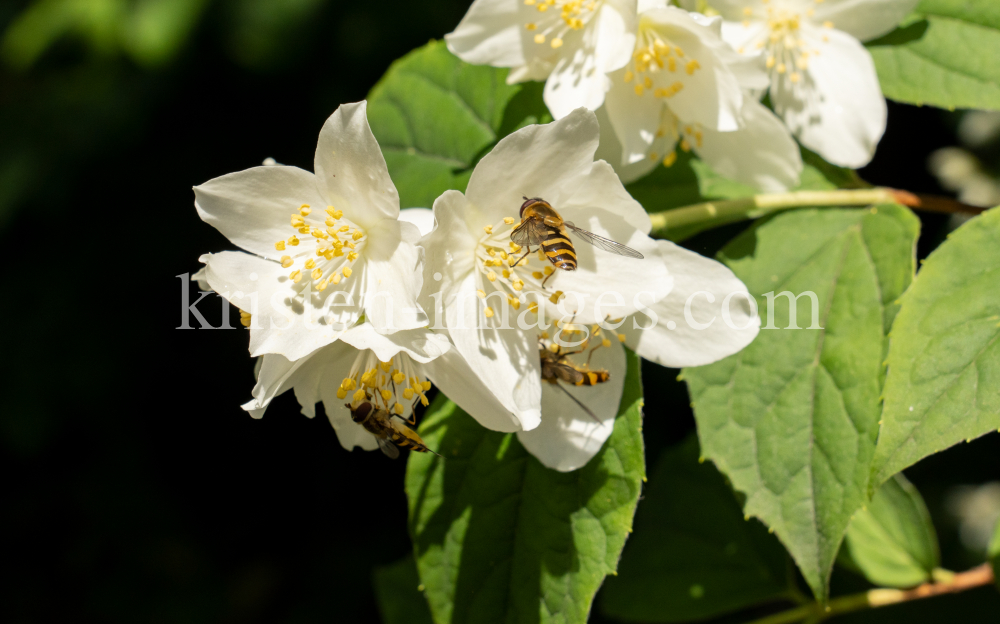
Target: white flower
(823, 81)
(571, 44)
(685, 87)
(395, 370)
(324, 248)
(490, 290)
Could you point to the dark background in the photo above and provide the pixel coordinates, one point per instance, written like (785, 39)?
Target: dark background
(136, 489)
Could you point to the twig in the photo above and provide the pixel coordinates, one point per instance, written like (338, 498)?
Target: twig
(881, 597)
(715, 213)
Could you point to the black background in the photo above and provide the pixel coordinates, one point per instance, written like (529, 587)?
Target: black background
(136, 489)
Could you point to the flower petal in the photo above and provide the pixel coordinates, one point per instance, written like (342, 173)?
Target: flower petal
(864, 19)
(610, 150)
(762, 153)
(252, 207)
(536, 161)
(837, 109)
(568, 437)
(423, 218)
(691, 327)
(274, 377)
(351, 170)
(635, 120)
(421, 345)
(455, 378)
(282, 323)
(490, 34)
(449, 247)
(506, 360)
(393, 277)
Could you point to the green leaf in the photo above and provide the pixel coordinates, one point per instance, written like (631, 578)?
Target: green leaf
(500, 538)
(435, 116)
(944, 55)
(892, 542)
(792, 419)
(397, 589)
(944, 360)
(994, 554)
(693, 555)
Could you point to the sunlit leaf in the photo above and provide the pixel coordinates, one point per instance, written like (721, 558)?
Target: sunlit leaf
(400, 600)
(944, 55)
(693, 555)
(500, 538)
(892, 542)
(435, 116)
(944, 358)
(792, 419)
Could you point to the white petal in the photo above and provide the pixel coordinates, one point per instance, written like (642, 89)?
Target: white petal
(610, 150)
(711, 95)
(602, 189)
(837, 109)
(455, 378)
(285, 322)
(393, 277)
(743, 36)
(252, 208)
(349, 433)
(864, 19)
(691, 328)
(351, 170)
(272, 379)
(635, 119)
(423, 218)
(579, 78)
(568, 437)
(536, 161)
(421, 345)
(201, 276)
(762, 154)
(506, 360)
(490, 34)
(450, 245)
(733, 9)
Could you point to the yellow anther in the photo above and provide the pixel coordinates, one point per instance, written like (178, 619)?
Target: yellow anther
(781, 68)
(647, 82)
(554, 348)
(506, 273)
(491, 276)
(556, 43)
(386, 395)
(638, 89)
(770, 62)
(296, 276)
(537, 274)
(748, 11)
(286, 261)
(539, 38)
(368, 378)
(310, 263)
(605, 343)
(280, 245)
(347, 271)
(508, 220)
(678, 51)
(556, 296)
(349, 383)
(826, 24)
(542, 8)
(514, 302)
(545, 335)
(344, 228)
(529, 2)
(514, 247)
(541, 256)
(408, 394)
(399, 377)
(424, 401)
(530, 26)
(358, 235)
(672, 64)
(351, 245)
(426, 386)
(685, 145)
(488, 229)
(691, 67)
(488, 312)
(352, 256)
(244, 319)
(359, 396)
(293, 241)
(628, 76)
(533, 307)
(336, 214)
(337, 252)
(330, 223)
(621, 337)
(304, 210)
(794, 77)
(482, 294)
(341, 393)
(385, 366)
(335, 278)
(397, 409)
(548, 270)
(517, 284)
(297, 220)
(317, 274)
(321, 286)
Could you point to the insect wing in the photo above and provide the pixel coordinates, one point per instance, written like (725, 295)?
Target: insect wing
(603, 243)
(567, 373)
(529, 233)
(388, 448)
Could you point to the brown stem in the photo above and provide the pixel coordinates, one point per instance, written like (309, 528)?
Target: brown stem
(976, 577)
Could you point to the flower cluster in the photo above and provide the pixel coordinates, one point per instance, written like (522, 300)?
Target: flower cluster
(664, 79)
(354, 303)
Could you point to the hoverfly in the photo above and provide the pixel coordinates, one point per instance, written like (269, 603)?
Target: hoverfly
(390, 431)
(556, 367)
(542, 226)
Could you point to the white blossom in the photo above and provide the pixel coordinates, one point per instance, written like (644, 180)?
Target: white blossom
(325, 248)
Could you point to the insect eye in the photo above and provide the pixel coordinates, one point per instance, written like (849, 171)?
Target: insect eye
(527, 203)
(363, 410)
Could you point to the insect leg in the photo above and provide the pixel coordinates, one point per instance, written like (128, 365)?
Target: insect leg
(527, 250)
(582, 406)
